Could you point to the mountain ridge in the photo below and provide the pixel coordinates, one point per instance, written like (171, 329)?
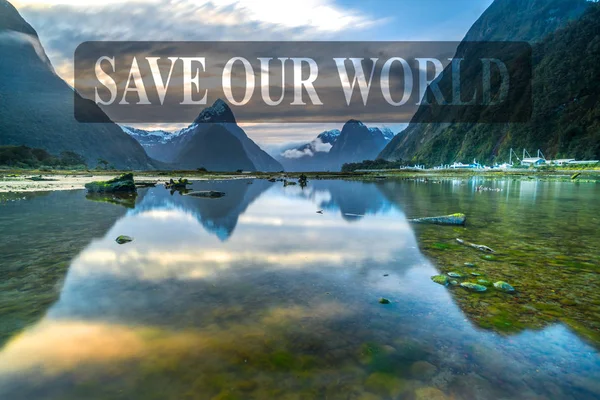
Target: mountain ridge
(331, 149)
(36, 106)
(186, 148)
(435, 144)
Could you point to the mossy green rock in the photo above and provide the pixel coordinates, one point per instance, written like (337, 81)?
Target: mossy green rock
(440, 279)
(484, 282)
(454, 275)
(384, 301)
(474, 287)
(121, 184)
(454, 219)
(504, 287)
(176, 185)
(124, 239)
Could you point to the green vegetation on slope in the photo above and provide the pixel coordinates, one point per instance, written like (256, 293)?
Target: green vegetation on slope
(564, 122)
(372, 165)
(26, 157)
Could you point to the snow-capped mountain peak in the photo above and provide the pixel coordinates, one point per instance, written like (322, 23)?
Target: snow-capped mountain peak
(156, 136)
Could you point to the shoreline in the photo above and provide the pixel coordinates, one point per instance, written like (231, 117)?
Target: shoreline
(18, 181)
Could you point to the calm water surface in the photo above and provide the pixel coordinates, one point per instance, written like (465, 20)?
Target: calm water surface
(257, 296)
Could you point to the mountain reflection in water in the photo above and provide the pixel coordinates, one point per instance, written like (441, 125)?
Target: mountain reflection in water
(257, 296)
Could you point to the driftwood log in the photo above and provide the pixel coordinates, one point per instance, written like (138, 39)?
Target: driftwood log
(479, 247)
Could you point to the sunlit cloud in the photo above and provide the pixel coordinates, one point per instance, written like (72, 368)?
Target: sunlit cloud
(56, 346)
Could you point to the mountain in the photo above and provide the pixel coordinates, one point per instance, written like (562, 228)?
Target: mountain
(331, 149)
(36, 105)
(215, 149)
(564, 35)
(161, 145)
(357, 143)
(217, 217)
(214, 141)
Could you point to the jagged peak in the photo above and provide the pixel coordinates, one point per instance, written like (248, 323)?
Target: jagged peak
(329, 136)
(11, 20)
(354, 122)
(218, 112)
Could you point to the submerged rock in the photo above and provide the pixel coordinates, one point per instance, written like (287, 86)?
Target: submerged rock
(454, 282)
(121, 184)
(474, 287)
(124, 239)
(470, 265)
(123, 199)
(504, 287)
(441, 279)
(386, 385)
(384, 301)
(429, 393)
(484, 282)
(211, 194)
(454, 219)
(454, 275)
(422, 370)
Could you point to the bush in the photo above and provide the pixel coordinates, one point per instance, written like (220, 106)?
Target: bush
(26, 157)
(373, 165)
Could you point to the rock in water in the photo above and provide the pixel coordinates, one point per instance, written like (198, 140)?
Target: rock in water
(503, 286)
(209, 194)
(454, 219)
(473, 287)
(121, 184)
(440, 279)
(384, 301)
(454, 275)
(124, 239)
(180, 184)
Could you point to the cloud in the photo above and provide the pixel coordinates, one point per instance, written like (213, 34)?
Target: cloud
(308, 150)
(64, 24)
(321, 147)
(295, 153)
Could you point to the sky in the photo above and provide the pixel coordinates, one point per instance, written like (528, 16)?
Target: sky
(63, 24)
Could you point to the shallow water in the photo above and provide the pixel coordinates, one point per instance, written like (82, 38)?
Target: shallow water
(256, 295)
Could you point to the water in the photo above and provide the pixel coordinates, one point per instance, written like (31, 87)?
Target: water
(257, 296)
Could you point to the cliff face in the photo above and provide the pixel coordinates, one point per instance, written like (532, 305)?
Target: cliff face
(37, 107)
(563, 47)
